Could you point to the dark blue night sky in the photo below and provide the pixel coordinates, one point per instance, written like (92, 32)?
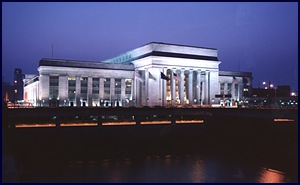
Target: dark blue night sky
(261, 38)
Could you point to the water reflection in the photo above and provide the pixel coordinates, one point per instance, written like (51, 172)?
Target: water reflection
(152, 168)
(197, 173)
(268, 175)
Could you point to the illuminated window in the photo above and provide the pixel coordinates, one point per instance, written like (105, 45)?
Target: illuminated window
(95, 86)
(128, 84)
(118, 86)
(71, 89)
(71, 78)
(229, 86)
(236, 89)
(222, 88)
(84, 86)
(53, 87)
(107, 86)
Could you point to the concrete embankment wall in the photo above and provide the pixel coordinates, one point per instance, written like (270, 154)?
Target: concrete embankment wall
(220, 127)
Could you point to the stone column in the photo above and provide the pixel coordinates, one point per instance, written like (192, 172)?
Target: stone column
(78, 92)
(190, 87)
(112, 91)
(164, 88)
(123, 86)
(101, 90)
(203, 92)
(143, 96)
(173, 94)
(135, 91)
(132, 93)
(207, 97)
(181, 86)
(147, 86)
(63, 90)
(198, 85)
(239, 92)
(44, 89)
(89, 91)
(233, 91)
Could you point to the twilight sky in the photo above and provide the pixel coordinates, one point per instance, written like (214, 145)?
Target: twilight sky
(261, 38)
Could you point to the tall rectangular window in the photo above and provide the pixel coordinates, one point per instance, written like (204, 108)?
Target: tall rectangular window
(83, 87)
(222, 88)
(95, 85)
(107, 86)
(71, 88)
(118, 86)
(95, 91)
(229, 86)
(53, 87)
(236, 89)
(128, 84)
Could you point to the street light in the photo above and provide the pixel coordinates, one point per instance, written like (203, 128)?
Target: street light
(273, 86)
(15, 92)
(265, 85)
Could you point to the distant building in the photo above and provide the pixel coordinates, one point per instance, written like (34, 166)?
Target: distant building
(235, 86)
(7, 92)
(279, 97)
(156, 74)
(283, 91)
(13, 93)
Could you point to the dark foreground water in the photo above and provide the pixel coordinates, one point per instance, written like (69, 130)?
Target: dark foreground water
(151, 168)
(218, 156)
(209, 165)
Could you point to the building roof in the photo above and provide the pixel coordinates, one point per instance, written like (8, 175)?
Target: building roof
(165, 50)
(83, 64)
(181, 45)
(235, 73)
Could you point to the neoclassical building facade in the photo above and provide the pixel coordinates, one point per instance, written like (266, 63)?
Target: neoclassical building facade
(156, 74)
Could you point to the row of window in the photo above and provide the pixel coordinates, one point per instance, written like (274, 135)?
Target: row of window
(54, 84)
(229, 89)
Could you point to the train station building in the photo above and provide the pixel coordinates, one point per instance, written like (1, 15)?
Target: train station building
(156, 74)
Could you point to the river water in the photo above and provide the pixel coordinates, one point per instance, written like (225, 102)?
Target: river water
(212, 158)
(202, 165)
(156, 168)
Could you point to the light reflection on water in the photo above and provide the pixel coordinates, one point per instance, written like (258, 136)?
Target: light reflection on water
(168, 168)
(271, 176)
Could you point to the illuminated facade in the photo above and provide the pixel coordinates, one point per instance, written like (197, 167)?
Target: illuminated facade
(156, 74)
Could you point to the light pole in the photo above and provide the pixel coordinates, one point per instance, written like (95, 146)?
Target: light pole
(15, 92)
(273, 86)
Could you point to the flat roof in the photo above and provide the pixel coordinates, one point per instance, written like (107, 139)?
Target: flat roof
(165, 50)
(83, 64)
(235, 73)
(179, 45)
